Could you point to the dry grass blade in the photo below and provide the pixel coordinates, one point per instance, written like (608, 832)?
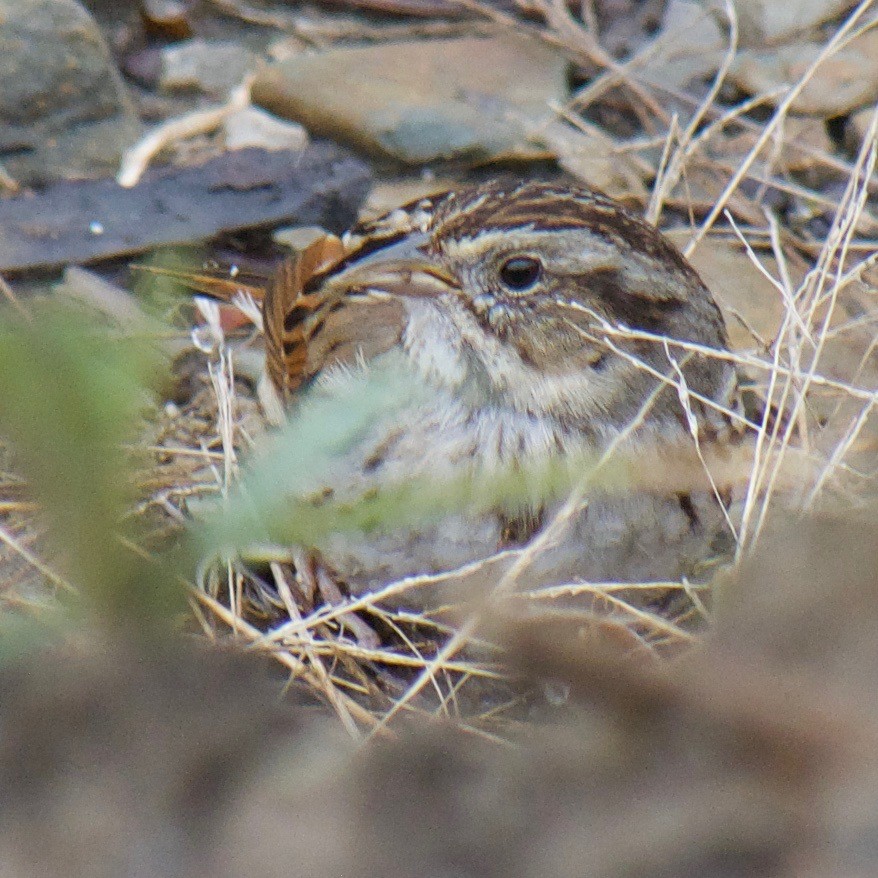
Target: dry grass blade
(348, 710)
(10, 540)
(524, 560)
(791, 455)
(836, 42)
(672, 168)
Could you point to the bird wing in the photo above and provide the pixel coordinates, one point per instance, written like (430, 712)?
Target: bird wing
(308, 330)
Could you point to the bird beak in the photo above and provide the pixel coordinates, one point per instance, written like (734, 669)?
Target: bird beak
(402, 268)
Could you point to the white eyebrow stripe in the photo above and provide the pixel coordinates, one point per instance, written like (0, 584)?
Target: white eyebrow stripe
(597, 254)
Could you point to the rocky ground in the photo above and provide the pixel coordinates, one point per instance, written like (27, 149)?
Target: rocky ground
(218, 135)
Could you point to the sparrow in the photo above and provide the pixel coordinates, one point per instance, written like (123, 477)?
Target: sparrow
(544, 322)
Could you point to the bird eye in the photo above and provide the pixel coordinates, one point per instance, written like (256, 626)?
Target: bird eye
(521, 272)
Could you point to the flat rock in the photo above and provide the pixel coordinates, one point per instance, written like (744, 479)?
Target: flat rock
(805, 145)
(764, 22)
(748, 299)
(844, 82)
(254, 127)
(857, 128)
(297, 238)
(213, 67)
(755, 312)
(416, 102)
(805, 139)
(64, 110)
(690, 45)
(92, 220)
(592, 157)
(387, 195)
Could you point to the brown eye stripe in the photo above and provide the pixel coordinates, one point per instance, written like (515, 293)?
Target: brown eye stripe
(630, 309)
(308, 326)
(544, 208)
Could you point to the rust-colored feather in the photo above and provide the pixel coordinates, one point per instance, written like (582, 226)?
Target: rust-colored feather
(306, 331)
(288, 313)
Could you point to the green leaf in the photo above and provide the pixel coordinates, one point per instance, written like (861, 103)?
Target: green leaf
(271, 505)
(71, 393)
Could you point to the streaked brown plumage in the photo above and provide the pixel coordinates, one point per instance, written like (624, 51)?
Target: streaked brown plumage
(498, 298)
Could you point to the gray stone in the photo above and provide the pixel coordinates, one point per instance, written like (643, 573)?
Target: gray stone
(94, 220)
(421, 100)
(254, 127)
(845, 81)
(857, 128)
(690, 45)
(214, 67)
(768, 22)
(64, 110)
